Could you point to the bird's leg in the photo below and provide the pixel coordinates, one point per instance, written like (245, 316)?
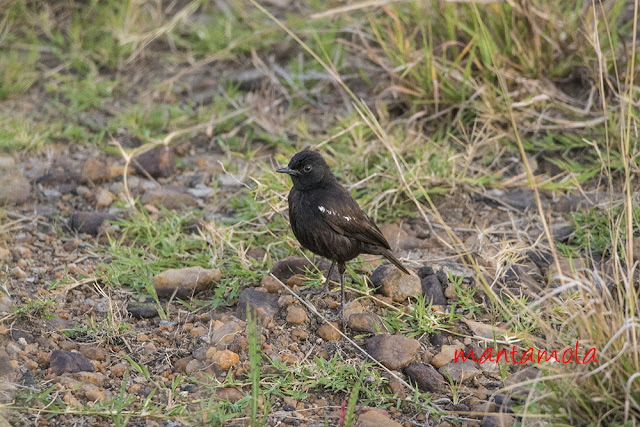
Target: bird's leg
(341, 270)
(325, 287)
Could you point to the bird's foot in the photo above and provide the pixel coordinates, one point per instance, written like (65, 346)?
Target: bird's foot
(323, 290)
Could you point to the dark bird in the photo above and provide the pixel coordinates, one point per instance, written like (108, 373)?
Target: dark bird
(327, 221)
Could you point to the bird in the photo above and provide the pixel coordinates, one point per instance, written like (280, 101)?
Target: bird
(327, 220)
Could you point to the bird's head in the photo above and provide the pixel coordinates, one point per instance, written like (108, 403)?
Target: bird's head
(307, 170)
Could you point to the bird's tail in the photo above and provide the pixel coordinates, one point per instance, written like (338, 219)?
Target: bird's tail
(391, 257)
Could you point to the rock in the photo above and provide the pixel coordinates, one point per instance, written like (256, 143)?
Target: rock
(185, 281)
(181, 364)
(171, 197)
(142, 311)
(19, 273)
(351, 308)
(226, 333)
(446, 355)
(461, 371)
(271, 284)
(285, 300)
(287, 267)
(393, 351)
(519, 379)
(297, 280)
(396, 284)
(6, 304)
(485, 331)
(94, 353)
(229, 393)
(94, 395)
(89, 222)
(5, 254)
(397, 388)
(94, 170)
(327, 333)
(458, 271)
(104, 198)
(484, 407)
(6, 161)
(95, 378)
(365, 322)
(202, 191)
(399, 239)
(15, 189)
(67, 361)
(520, 199)
(498, 420)
(296, 315)
(432, 290)
(70, 245)
(198, 331)
(426, 377)
(575, 202)
(225, 359)
(240, 343)
(263, 306)
(193, 366)
(540, 258)
(8, 377)
(375, 419)
(159, 162)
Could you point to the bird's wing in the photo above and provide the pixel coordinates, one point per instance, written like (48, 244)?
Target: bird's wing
(342, 213)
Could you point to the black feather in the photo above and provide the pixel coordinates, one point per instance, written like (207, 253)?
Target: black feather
(325, 218)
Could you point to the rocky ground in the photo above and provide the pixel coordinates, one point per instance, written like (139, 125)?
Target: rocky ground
(73, 345)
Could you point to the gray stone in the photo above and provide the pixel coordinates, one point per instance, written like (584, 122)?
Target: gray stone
(432, 290)
(426, 377)
(15, 189)
(68, 361)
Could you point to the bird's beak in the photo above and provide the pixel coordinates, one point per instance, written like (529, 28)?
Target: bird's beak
(288, 171)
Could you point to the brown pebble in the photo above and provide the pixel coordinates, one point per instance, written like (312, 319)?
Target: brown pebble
(94, 395)
(181, 364)
(271, 284)
(225, 359)
(194, 366)
(327, 333)
(142, 337)
(285, 300)
(211, 352)
(31, 365)
(94, 353)
(299, 334)
(119, 369)
(296, 315)
(198, 331)
(288, 358)
(229, 393)
(297, 280)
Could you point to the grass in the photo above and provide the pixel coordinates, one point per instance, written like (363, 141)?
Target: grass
(444, 98)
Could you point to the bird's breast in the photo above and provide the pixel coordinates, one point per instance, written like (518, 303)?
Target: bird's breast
(306, 215)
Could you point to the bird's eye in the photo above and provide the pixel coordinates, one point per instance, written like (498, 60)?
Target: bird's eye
(307, 168)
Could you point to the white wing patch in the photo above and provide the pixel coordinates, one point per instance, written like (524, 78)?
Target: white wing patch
(328, 212)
